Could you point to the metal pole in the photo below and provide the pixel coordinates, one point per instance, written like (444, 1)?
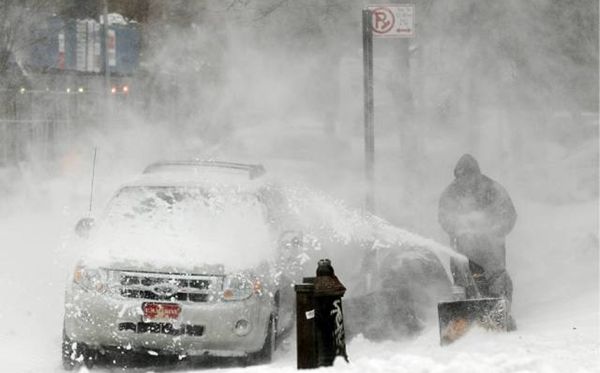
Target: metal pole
(105, 38)
(92, 185)
(368, 109)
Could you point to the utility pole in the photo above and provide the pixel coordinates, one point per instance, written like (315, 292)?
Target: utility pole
(367, 19)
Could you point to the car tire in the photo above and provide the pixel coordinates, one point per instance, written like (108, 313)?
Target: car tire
(76, 354)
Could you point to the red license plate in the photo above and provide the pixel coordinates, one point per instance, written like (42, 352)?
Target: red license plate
(161, 311)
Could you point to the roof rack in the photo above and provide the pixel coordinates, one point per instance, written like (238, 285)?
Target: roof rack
(254, 170)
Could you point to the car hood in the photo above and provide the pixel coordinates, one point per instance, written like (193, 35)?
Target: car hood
(173, 250)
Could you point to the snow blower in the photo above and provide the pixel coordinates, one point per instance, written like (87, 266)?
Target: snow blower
(471, 307)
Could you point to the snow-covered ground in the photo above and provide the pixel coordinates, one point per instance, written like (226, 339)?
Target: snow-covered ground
(555, 274)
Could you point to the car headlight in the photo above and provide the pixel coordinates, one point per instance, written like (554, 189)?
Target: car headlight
(239, 287)
(91, 278)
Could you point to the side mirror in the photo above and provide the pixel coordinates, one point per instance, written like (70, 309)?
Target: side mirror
(83, 226)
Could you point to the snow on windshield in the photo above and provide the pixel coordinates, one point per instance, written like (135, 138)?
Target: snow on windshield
(183, 227)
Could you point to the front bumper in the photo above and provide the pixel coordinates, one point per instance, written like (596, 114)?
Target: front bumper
(104, 321)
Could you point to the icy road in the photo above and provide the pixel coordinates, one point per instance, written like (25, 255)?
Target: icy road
(556, 299)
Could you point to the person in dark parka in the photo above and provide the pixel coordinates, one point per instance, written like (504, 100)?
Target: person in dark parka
(477, 213)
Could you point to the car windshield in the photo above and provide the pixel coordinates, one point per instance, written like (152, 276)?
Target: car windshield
(175, 225)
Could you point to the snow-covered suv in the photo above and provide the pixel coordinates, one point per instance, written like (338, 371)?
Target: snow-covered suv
(185, 260)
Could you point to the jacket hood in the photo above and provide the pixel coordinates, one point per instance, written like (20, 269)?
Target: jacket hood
(467, 166)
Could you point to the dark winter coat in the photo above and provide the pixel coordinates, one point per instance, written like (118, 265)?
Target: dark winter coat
(477, 213)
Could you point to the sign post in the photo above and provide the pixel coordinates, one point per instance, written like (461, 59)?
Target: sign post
(105, 37)
(383, 21)
(367, 17)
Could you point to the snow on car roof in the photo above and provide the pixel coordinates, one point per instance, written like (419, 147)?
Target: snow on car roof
(251, 171)
(179, 179)
(200, 173)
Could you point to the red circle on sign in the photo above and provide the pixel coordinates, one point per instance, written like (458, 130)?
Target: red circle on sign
(383, 20)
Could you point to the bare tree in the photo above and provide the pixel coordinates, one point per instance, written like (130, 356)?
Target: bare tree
(18, 19)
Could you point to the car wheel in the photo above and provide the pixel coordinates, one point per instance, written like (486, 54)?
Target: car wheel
(75, 354)
(265, 355)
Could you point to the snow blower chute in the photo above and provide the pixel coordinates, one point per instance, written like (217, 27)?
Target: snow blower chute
(470, 307)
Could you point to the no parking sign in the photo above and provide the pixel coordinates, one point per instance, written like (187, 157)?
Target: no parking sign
(393, 21)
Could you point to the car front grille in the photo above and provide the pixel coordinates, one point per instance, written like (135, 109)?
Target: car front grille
(168, 286)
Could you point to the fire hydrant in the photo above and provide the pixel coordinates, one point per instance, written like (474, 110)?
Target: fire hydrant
(319, 318)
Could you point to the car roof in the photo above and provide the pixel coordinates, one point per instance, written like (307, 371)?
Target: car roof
(200, 173)
(252, 171)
